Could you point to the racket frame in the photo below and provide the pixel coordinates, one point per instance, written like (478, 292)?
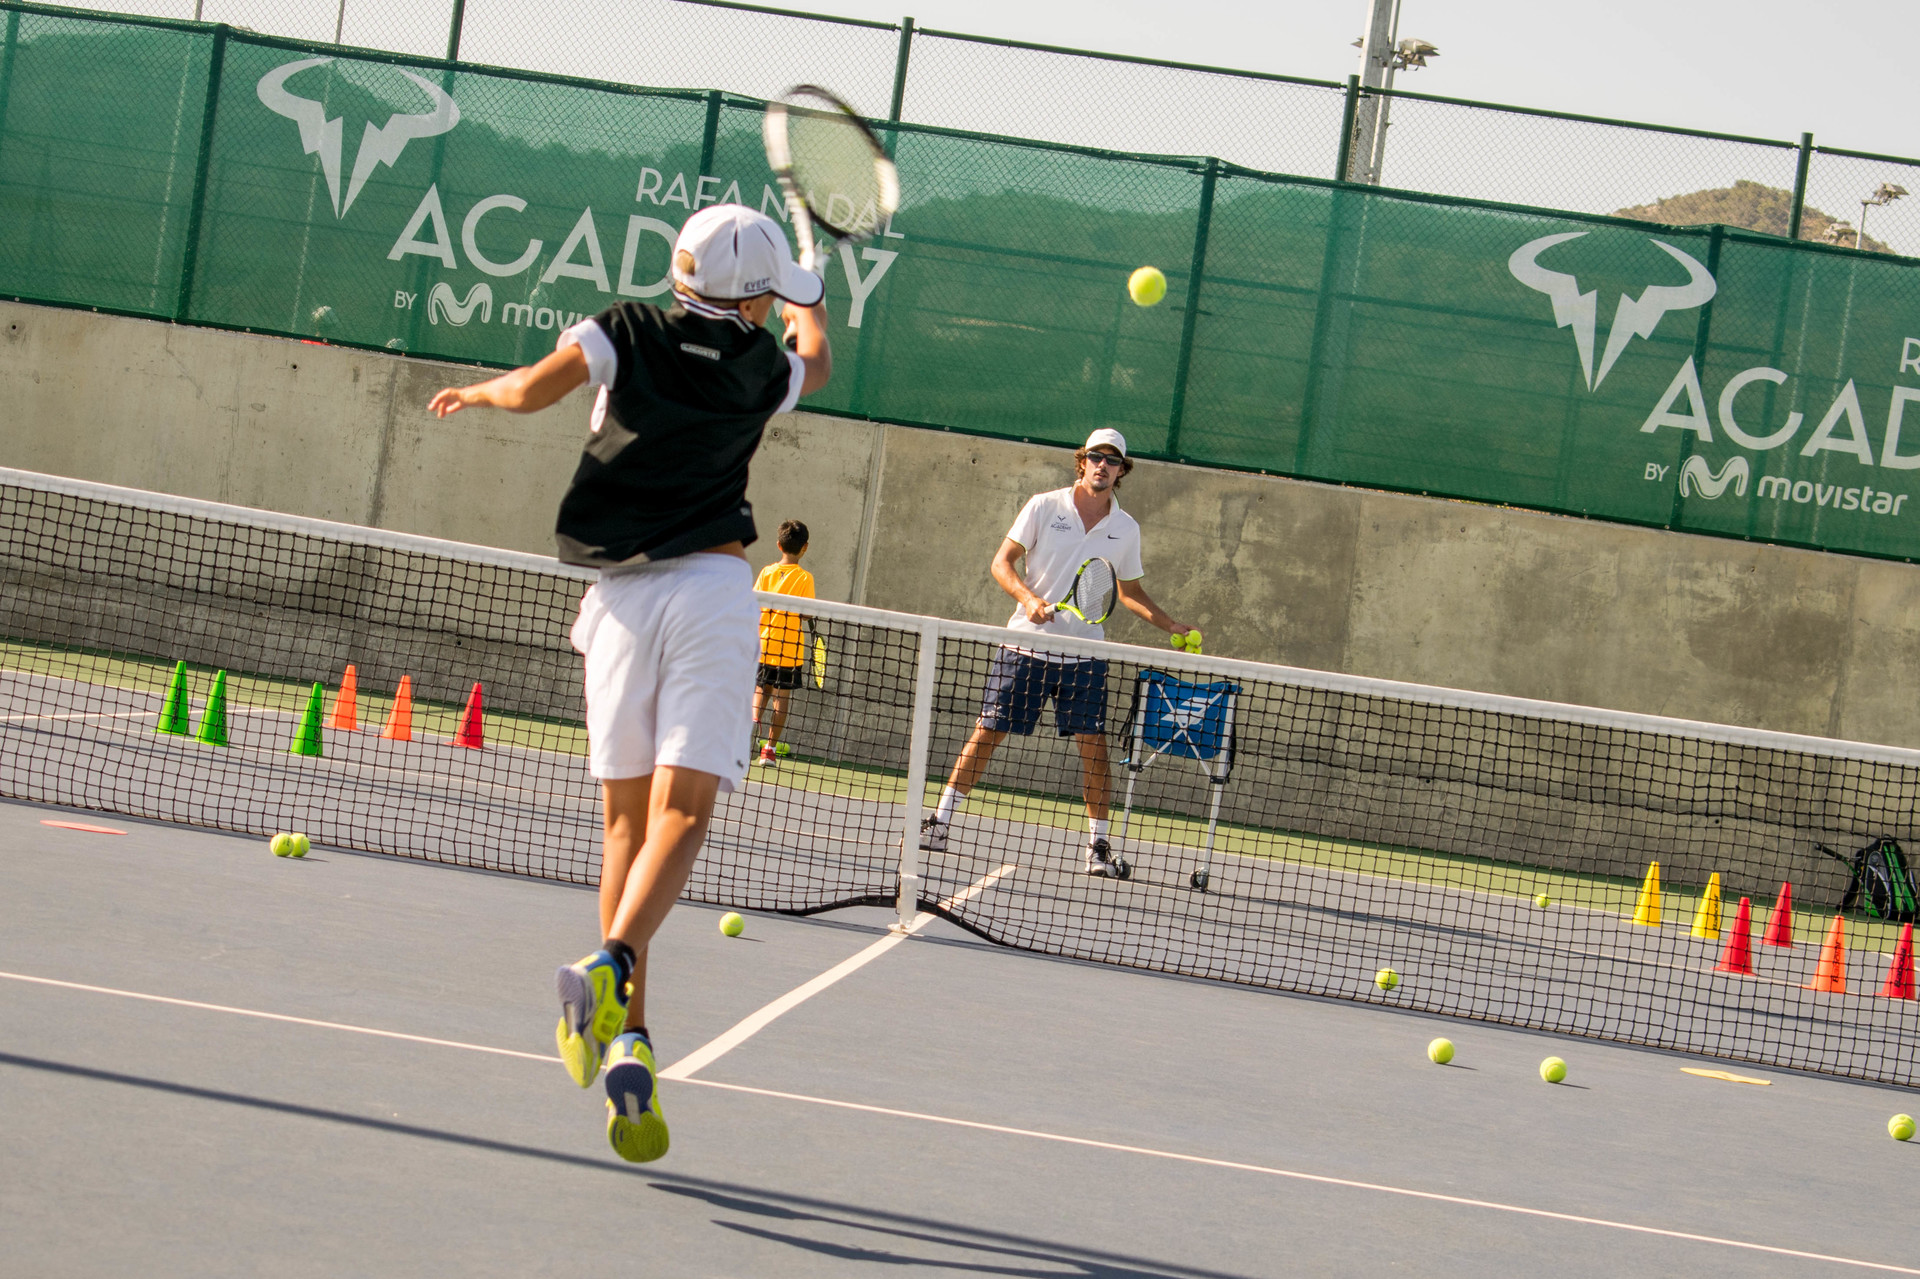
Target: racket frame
(1067, 604)
(773, 133)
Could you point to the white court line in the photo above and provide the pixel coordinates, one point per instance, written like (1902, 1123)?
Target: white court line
(754, 1023)
(1229, 1165)
(250, 1012)
(1317, 1178)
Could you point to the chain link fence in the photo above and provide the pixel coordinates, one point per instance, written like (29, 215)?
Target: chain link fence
(1270, 123)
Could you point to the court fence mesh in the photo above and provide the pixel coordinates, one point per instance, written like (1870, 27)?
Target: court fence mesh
(1562, 868)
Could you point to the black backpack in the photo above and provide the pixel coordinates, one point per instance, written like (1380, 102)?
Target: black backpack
(1880, 881)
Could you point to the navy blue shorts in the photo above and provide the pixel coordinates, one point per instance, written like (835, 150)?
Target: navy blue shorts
(1018, 684)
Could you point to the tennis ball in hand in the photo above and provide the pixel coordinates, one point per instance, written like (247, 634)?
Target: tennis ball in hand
(301, 845)
(1193, 640)
(1386, 979)
(1553, 1070)
(1900, 1127)
(1440, 1051)
(732, 924)
(1542, 901)
(1147, 286)
(281, 844)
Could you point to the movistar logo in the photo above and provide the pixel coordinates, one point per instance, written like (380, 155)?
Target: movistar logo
(320, 134)
(1697, 477)
(1632, 317)
(441, 304)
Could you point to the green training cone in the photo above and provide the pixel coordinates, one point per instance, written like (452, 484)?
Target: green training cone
(306, 739)
(176, 711)
(213, 724)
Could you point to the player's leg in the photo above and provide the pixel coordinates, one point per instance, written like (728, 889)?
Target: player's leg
(1010, 703)
(1080, 711)
(779, 697)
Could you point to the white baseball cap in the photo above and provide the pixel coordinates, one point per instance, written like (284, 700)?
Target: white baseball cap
(729, 253)
(1111, 438)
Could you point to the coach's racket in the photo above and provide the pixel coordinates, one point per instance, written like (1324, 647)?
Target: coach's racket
(837, 178)
(1096, 588)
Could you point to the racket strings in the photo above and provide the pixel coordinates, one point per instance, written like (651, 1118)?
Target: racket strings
(836, 167)
(1095, 590)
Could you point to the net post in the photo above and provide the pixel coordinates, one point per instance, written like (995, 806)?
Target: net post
(1343, 167)
(925, 670)
(1203, 224)
(900, 70)
(1800, 186)
(196, 207)
(453, 30)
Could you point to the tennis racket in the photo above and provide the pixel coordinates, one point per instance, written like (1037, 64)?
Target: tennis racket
(837, 178)
(1096, 588)
(819, 661)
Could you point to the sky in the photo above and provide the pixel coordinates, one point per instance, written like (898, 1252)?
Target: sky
(1761, 68)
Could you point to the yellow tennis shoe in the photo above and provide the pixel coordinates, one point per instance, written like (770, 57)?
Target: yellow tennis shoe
(636, 1129)
(593, 1008)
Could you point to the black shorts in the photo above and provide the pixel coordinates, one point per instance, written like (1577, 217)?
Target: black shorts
(1018, 684)
(778, 676)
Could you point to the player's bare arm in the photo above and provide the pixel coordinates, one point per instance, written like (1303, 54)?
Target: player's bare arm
(807, 338)
(525, 390)
(1006, 571)
(1141, 605)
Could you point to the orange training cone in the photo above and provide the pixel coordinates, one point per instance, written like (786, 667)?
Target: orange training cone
(1830, 974)
(468, 734)
(400, 719)
(346, 708)
(1900, 976)
(1737, 955)
(1780, 925)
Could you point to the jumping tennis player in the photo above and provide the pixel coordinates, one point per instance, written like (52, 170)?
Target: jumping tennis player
(1057, 532)
(659, 506)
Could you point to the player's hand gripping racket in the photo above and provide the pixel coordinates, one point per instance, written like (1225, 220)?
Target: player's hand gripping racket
(838, 181)
(1096, 588)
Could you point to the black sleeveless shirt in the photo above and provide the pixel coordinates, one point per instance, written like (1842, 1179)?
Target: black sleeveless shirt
(665, 471)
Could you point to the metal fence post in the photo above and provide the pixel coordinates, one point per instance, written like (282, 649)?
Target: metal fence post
(196, 207)
(900, 70)
(453, 30)
(1800, 186)
(918, 735)
(6, 65)
(1203, 226)
(711, 137)
(1343, 168)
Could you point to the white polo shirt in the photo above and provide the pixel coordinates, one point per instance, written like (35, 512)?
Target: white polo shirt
(1058, 544)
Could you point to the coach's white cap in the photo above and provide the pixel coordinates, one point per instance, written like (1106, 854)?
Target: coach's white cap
(1111, 438)
(729, 253)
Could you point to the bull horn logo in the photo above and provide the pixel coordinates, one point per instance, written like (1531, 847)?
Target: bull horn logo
(1697, 477)
(320, 134)
(1632, 317)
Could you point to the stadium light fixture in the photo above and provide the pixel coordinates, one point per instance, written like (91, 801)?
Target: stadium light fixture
(1885, 193)
(1382, 52)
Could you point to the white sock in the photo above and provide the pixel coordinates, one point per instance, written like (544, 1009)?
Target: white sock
(1096, 829)
(950, 801)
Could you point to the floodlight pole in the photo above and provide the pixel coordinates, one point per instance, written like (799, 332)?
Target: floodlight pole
(1376, 73)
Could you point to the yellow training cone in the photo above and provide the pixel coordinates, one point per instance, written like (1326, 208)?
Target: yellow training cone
(1647, 912)
(1706, 920)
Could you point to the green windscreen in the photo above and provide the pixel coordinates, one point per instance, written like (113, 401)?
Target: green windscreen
(1695, 378)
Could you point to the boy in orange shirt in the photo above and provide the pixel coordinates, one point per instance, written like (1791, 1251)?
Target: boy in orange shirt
(782, 654)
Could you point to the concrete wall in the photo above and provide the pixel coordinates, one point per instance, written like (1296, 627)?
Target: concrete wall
(1275, 570)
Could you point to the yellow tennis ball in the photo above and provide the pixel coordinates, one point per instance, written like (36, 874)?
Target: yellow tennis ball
(1193, 640)
(281, 844)
(1178, 640)
(1543, 901)
(301, 845)
(732, 924)
(1386, 979)
(1147, 286)
(1900, 1127)
(1553, 1070)
(1440, 1051)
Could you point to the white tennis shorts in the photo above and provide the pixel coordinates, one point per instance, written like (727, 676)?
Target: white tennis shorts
(670, 651)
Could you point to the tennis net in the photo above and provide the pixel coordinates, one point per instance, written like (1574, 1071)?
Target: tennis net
(1282, 828)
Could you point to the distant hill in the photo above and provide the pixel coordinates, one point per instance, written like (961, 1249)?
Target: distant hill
(1744, 204)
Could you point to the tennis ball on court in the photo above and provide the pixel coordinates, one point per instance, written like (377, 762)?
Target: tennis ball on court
(1542, 901)
(301, 845)
(1553, 1070)
(281, 844)
(732, 924)
(1386, 979)
(1440, 1051)
(1147, 286)
(782, 749)
(1900, 1127)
